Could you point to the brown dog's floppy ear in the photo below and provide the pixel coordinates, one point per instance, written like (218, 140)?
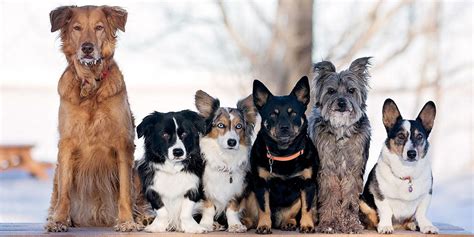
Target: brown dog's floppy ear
(301, 90)
(60, 17)
(323, 68)
(427, 116)
(391, 114)
(260, 94)
(116, 16)
(360, 67)
(206, 104)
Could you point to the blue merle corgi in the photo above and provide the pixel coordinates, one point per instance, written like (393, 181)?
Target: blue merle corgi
(171, 169)
(399, 187)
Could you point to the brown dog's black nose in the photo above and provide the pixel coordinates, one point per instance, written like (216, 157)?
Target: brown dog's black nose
(341, 103)
(87, 48)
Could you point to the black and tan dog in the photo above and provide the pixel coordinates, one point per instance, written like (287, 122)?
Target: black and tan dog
(284, 163)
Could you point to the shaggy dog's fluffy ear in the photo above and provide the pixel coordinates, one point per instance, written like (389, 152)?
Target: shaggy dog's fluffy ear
(360, 67)
(427, 116)
(60, 17)
(322, 69)
(260, 94)
(116, 16)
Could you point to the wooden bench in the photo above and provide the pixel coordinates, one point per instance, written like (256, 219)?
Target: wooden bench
(36, 229)
(19, 157)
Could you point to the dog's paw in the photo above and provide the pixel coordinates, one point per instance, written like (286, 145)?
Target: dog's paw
(385, 229)
(193, 229)
(411, 226)
(429, 229)
(145, 219)
(354, 229)
(157, 227)
(128, 226)
(289, 226)
(307, 229)
(237, 228)
(325, 230)
(263, 230)
(52, 226)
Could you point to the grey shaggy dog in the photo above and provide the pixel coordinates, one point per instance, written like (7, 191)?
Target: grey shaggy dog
(340, 130)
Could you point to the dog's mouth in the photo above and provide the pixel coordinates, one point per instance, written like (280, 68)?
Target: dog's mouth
(89, 60)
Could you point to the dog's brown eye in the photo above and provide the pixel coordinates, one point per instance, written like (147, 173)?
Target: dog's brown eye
(77, 28)
(238, 126)
(401, 136)
(99, 28)
(331, 91)
(183, 135)
(351, 90)
(166, 135)
(220, 125)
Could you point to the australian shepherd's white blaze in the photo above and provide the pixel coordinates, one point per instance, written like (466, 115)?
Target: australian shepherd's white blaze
(399, 187)
(225, 149)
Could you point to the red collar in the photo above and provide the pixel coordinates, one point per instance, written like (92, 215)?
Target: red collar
(104, 74)
(284, 158)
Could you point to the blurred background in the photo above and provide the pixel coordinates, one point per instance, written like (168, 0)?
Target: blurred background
(422, 50)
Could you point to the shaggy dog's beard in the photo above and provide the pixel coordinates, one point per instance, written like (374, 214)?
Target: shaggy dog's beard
(339, 119)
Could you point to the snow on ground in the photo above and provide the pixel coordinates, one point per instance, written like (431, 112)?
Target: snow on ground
(25, 199)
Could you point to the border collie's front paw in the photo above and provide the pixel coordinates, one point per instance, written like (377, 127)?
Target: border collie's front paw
(157, 227)
(385, 229)
(128, 226)
(429, 229)
(193, 228)
(52, 226)
(237, 228)
(263, 230)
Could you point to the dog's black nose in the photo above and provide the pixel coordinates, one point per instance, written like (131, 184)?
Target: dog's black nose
(231, 142)
(178, 152)
(411, 154)
(341, 102)
(87, 48)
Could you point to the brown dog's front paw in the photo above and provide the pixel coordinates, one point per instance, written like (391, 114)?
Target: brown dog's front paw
(128, 226)
(52, 226)
(307, 229)
(145, 219)
(263, 230)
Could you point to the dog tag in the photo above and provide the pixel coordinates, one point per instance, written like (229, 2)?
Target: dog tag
(270, 162)
(230, 179)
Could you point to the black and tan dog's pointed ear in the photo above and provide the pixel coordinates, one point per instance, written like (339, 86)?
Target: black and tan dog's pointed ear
(60, 17)
(322, 69)
(247, 106)
(391, 114)
(206, 104)
(301, 90)
(261, 94)
(360, 67)
(116, 16)
(427, 116)
(144, 128)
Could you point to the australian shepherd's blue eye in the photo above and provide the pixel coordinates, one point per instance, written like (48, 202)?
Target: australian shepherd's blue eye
(238, 126)
(220, 125)
(331, 91)
(351, 90)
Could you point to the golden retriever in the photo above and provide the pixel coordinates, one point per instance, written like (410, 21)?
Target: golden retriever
(94, 183)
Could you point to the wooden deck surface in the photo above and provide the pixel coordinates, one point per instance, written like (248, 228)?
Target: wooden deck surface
(36, 229)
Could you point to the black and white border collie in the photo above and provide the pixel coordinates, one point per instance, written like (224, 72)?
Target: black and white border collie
(398, 190)
(171, 169)
(225, 149)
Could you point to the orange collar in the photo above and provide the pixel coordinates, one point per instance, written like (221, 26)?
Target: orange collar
(284, 158)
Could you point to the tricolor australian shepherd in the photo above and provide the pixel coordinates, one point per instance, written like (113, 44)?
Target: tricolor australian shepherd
(398, 190)
(225, 149)
(171, 169)
(284, 162)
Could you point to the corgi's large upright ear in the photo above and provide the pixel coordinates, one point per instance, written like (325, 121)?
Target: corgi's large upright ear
(391, 114)
(301, 90)
(250, 112)
(427, 116)
(206, 104)
(261, 94)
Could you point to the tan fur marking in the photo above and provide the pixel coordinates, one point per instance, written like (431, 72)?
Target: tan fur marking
(370, 213)
(250, 211)
(306, 220)
(264, 216)
(263, 173)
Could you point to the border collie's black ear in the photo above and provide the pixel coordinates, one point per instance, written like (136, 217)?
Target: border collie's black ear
(260, 94)
(323, 68)
(196, 119)
(206, 104)
(301, 90)
(116, 16)
(60, 17)
(391, 114)
(147, 123)
(427, 116)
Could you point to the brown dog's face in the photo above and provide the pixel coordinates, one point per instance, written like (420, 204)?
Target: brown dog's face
(88, 33)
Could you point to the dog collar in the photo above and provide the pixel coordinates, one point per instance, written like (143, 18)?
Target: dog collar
(410, 182)
(103, 74)
(284, 158)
